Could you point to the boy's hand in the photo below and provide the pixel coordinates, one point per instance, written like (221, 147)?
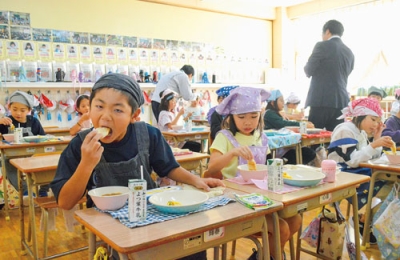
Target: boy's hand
(91, 149)
(207, 183)
(5, 121)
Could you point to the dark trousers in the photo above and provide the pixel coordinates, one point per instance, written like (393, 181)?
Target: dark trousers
(155, 106)
(307, 153)
(325, 117)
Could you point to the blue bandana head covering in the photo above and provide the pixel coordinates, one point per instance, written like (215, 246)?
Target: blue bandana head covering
(224, 91)
(275, 94)
(121, 82)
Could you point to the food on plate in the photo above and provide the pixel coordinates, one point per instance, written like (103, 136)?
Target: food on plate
(103, 131)
(252, 165)
(287, 176)
(112, 194)
(174, 203)
(393, 148)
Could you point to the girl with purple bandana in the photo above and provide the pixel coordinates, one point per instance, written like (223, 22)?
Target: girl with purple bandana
(242, 139)
(350, 144)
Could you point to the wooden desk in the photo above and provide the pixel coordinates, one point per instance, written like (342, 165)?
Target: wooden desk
(191, 161)
(307, 141)
(178, 237)
(38, 170)
(57, 131)
(200, 122)
(177, 137)
(389, 172)
(9, 151)
(312, 198)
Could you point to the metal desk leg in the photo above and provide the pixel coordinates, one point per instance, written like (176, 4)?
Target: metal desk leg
(299, 155)
(366, 231)
(21, 212)
(32, 216)
(356, 226)
(4, 173)
(92, 244)
(277, 237)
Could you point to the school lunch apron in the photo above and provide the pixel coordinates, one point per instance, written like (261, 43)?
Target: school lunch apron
(118, 173)
(259, 152)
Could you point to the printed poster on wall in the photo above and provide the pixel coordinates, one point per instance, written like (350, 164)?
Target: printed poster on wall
(72, 51)
(28, 50)
(61, 36)
(4, 32)
(172, 45)
(164, 57)
(4, 17)
(44, 50)
(12, 49)
(145, 43)
(1, 48)
(133, 57)
(20, 33)
(154, 57)
(110, 53)
(98, 54)
(158, 44)
(144, 56)
(129, 42)
(58, 51)
(41, 35)
(23, 19)
(80, 38)
(114, 40)
(85, 53)
(97, 39)
(121, 54)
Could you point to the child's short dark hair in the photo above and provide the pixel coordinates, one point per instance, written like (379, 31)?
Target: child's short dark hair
(79, 100)
(358, 120)
(273, 105)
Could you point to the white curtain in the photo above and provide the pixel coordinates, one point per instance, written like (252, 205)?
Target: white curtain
(370, 30)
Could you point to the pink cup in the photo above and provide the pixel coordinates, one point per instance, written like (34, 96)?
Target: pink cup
(329, 169)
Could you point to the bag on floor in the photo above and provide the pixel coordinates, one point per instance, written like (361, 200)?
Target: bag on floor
(311, 232)
(351, 247)
(331, 234)
(386, 226)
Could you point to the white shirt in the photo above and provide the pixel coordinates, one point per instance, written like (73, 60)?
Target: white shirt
(176, 81)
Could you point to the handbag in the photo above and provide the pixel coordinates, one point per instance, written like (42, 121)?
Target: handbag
(386, 226)
(331, 234)
(351, 247)
(311, 232)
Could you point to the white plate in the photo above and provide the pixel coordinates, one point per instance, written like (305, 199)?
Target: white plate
(190, 200)
(302, 176)
(35, 139)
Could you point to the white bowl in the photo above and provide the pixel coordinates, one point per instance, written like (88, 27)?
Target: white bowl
(109, 202)
(190, 200)
(247, 175)
(177, 127)
(393, 159)
(302, 177)
(8, 137)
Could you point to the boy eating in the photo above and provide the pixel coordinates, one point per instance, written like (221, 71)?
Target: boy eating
(93, 160)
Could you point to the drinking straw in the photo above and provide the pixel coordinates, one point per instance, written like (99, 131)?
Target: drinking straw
(141, 172)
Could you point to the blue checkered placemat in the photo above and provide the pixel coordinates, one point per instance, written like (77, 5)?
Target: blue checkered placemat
(155, 216)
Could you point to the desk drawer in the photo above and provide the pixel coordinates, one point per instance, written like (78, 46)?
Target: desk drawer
(196, 243)
(313, 203)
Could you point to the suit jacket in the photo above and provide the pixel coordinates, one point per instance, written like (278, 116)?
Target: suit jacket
(329, 65)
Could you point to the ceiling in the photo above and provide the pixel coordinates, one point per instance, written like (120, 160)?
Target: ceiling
(260, 9)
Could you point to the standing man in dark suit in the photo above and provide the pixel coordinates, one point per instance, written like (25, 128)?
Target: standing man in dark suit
(329, 65)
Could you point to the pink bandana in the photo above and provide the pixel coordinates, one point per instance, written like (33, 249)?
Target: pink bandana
(362, 107)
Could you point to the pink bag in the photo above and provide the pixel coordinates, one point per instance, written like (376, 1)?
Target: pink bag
(311, 233)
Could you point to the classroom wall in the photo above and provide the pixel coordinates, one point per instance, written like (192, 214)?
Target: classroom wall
(237, 35)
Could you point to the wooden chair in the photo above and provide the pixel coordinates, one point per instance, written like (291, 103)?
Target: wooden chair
(47, 203)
